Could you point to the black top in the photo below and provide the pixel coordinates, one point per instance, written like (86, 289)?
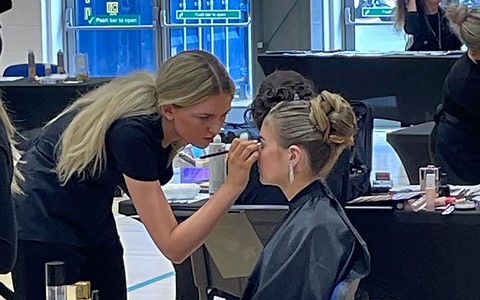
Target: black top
(7, 216)
(314, 249)
(80, 213)
(461, 91)
(424, 29)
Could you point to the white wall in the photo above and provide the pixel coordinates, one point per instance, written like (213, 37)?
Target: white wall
(21, 31)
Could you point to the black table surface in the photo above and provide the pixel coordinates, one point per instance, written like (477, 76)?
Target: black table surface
(31, 105)
(421, 255)
(414, 255)
(415, 80)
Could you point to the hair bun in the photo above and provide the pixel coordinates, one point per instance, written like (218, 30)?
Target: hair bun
(457, 14)
(334, 119)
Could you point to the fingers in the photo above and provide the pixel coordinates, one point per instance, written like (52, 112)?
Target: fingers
(242, 149)
(251, 159)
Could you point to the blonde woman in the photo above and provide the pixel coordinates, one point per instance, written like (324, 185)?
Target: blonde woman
(316, 247)
(8, 234)
(456, 137)
(427, 25)
(124, 133)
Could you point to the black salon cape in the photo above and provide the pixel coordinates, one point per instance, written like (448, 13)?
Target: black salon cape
(315, 248)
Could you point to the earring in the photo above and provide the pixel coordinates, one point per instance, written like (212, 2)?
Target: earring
(291, 175)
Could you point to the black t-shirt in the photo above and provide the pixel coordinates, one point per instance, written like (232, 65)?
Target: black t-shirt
(461, 90)
(7, 219)
(421, 26)
(80, 212)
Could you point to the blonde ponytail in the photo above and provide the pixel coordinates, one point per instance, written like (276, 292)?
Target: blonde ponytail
(184, 80)
(82, 148)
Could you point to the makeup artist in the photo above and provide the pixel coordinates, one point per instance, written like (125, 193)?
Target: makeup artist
(455, 139)
(427, 25)
(123, 133)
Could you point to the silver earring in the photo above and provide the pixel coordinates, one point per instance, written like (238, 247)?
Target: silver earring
(291, 176)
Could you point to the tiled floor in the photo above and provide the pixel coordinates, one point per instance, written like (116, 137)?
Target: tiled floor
(151, 276)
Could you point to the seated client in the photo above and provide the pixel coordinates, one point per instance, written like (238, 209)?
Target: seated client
(316, 247)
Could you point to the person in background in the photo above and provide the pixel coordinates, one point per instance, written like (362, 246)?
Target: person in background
(124, 133)
(8, 184)
(275, 88)
(425, 22)
(5, 5)
(456, 137)
(316, 247)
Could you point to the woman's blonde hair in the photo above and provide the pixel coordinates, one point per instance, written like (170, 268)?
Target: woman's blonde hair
(323, 127)
(10, 129)
(465, 23)
(184, 80)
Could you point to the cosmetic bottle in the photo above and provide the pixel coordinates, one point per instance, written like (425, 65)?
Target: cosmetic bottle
(56, 286)
(31, 65)
(48, 69)
(430, 191)
(216, 165)
(443, 189)
(60, 62)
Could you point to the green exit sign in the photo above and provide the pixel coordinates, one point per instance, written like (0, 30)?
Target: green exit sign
(120, 20)
(208, 14)
(377, 12)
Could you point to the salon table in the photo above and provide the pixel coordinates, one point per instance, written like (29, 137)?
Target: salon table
(31, 105)
(414, 255)
(413, 79)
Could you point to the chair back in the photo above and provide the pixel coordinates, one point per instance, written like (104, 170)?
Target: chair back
(22, 70)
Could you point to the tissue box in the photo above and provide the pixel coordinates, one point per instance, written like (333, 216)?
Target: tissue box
(194, 174)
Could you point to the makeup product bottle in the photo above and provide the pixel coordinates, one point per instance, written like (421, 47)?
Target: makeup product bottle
(60, 62)
(427, 170)
(31, 65)
(55, 280)
(216, 165)
(443, 189)
(48, 69)
(430, 191)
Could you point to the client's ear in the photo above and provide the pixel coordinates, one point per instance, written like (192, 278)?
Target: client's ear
(296, 154)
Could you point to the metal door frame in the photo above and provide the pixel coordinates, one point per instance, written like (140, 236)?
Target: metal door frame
(70, 31)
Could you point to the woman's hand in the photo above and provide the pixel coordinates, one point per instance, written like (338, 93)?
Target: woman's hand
(241, 157)
(411, 5)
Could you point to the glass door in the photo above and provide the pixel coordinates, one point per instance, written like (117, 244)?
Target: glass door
(369, 26)
(118, 36)
(222, 27)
